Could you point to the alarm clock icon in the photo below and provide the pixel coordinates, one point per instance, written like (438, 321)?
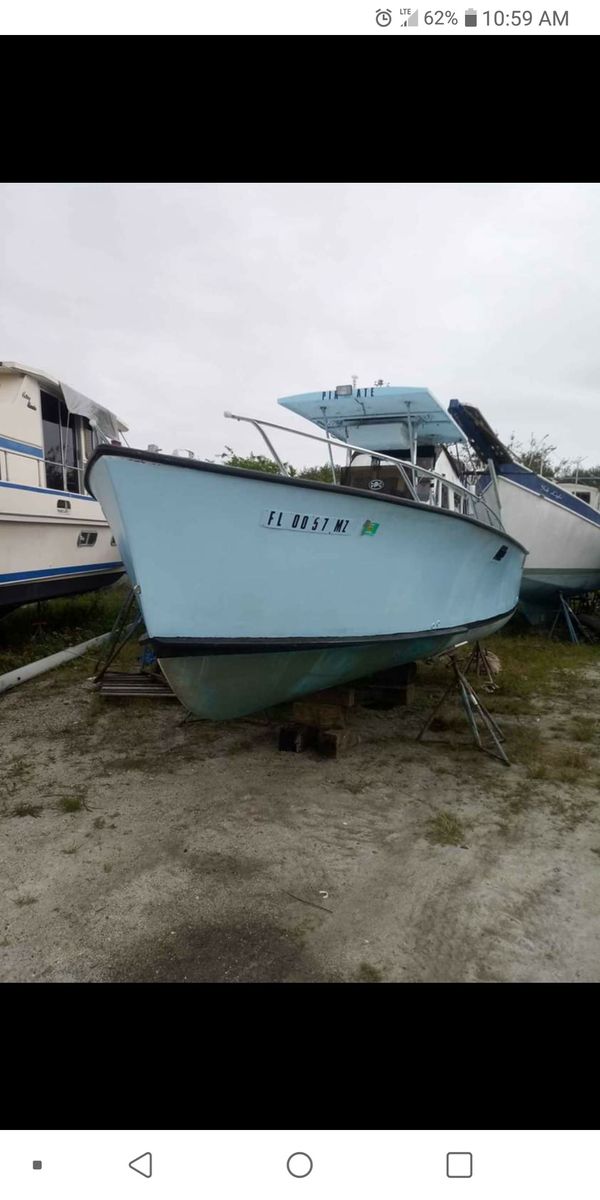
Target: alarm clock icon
(383, 16)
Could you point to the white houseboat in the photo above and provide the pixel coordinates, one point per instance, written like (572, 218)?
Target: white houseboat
(54, 537)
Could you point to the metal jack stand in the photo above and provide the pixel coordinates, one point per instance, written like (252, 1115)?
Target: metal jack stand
(572, 622)
(480, 664)
(474, 708)
(120, 635)
(145, 682)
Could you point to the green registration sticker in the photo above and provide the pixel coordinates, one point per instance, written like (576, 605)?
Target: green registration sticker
(370, 527)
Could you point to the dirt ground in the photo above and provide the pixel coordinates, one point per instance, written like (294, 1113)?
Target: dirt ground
(140, 846)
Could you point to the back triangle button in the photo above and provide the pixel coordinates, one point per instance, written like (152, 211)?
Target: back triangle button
(143, 1165)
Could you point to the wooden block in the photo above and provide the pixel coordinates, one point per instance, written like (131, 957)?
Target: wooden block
(394, 676)
(325, 716)
(332, 742)
(386, 696)
(342, 697)
(296, 738)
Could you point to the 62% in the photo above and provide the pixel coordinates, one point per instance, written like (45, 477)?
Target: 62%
(441, 18)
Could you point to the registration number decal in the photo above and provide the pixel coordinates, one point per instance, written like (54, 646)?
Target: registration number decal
(307, 522)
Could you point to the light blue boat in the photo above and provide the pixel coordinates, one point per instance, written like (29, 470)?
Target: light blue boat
(258, 589)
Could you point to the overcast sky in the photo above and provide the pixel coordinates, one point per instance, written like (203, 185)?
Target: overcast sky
(170, 303)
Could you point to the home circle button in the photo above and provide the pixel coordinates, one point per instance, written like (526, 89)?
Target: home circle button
(299, 1165)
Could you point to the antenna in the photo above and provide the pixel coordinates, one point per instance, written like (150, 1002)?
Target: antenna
(354, 379)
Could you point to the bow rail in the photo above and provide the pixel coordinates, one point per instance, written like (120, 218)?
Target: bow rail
(441, 488)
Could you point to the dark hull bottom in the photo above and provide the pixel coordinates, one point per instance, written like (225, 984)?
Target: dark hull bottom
(14, 595)
(222, 686)
(539, 597)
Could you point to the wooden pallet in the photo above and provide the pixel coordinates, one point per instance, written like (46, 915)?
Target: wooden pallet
(125, 683)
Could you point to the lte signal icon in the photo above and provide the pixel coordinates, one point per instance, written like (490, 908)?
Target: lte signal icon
(470, 16)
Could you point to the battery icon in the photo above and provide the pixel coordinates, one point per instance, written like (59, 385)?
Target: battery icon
(471, 16)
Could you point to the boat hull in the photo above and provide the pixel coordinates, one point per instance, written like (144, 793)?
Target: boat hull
(249, 600)
(563, 544)
(41, 560)
(219, 687)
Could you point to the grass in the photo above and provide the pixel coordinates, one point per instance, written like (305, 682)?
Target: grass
(583, 729)
(532, 666)
(72, 803)
(525, 745)
(33, 631)
(355, 786)
(17, 768)
(445, 830)
(558, 763)
(530, 660)
(27, 810)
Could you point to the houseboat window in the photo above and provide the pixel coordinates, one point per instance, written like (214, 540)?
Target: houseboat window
(444, 498)
(87, 539)
(587, 496)
(90, 440)
(60, 445)
(71, 452)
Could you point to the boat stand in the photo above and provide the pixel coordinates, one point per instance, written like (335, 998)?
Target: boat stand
(145, 682)
(119, 635)
(480, 665)
(474, 710)
(577, 632)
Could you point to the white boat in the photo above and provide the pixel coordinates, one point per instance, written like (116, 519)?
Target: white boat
(558, 523)
(54, 537)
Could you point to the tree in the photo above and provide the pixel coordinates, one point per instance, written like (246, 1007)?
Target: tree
(538, 456)
(319, 474)
(260, 462)
(590, 474)
(253, 462)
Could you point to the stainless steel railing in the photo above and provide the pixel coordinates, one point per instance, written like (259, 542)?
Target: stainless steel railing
(443, 492)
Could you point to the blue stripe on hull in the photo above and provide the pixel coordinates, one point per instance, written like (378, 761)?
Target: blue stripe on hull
(21, 447)
(54, 572)
(27, 487)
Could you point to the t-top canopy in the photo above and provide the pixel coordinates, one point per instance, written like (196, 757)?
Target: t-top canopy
(378, 418)
(101, 419)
